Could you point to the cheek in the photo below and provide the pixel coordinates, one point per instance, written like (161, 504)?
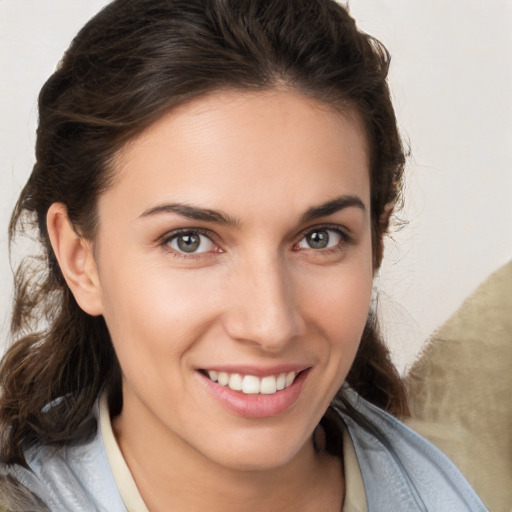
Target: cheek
(345, 316)
(337, 308)
(154, 314)
(338, 305)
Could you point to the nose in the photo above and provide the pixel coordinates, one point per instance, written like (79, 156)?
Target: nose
(263, 308)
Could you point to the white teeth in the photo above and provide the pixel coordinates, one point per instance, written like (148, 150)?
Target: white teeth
(290, 377)
(252, 385)
(223, 378)
(268, 385)
(235, 382)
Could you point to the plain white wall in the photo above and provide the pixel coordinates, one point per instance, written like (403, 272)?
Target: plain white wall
(451, 78)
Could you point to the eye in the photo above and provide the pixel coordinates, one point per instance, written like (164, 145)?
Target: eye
(322, 238)
(190, 242)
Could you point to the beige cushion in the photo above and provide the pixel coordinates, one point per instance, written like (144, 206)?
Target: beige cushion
(460, 390)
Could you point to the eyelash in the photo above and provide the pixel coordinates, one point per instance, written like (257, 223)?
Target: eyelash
(167, 239)
(345, 239)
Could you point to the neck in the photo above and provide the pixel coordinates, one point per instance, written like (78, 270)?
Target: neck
(172, 476)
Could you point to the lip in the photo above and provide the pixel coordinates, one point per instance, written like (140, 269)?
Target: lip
(256, 406)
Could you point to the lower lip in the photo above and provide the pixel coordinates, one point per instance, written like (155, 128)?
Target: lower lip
(257, 405)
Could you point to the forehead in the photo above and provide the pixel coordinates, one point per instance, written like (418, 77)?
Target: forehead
(236, 149)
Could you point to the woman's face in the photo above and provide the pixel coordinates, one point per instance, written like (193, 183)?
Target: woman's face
(234, 251)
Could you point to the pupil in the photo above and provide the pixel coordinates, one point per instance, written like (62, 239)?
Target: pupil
(189, 242)
(318, 239)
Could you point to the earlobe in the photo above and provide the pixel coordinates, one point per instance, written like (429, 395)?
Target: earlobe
(76, 260)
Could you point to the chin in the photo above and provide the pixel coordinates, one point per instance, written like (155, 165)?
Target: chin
(267, 454)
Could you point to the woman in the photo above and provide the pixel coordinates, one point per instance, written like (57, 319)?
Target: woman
(212, 187)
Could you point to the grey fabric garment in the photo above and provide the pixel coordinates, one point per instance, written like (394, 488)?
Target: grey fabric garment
(401, 472)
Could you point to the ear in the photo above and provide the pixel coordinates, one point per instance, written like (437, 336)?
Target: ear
(76, 260)
(379, 230)
(385, 218)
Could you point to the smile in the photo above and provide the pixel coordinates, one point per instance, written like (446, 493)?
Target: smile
(252, 385)
(256, 393)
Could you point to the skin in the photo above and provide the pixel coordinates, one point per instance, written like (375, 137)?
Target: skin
(255, 295)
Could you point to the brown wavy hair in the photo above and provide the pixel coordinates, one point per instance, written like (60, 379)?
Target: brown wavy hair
(128, 65)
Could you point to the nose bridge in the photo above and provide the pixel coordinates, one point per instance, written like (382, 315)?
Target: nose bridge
(264, 308)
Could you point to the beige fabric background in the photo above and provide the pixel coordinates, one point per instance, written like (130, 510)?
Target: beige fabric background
(461, 390)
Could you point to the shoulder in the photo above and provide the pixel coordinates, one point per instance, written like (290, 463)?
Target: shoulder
(76, 478)
(400, 467)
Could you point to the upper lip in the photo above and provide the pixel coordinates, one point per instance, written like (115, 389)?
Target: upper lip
(257, 371)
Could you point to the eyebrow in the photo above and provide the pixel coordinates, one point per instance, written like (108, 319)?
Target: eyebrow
(207, 215)
(192, 212)
(333, 206)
